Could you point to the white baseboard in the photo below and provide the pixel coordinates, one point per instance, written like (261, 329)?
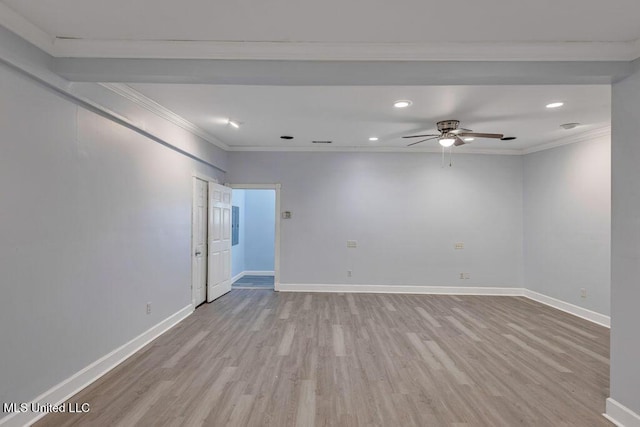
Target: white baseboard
(259, 273)
(620, 415)
(400, 289)
(237, 277)
(589, 315)
(252, 273)
(72, 385)
(583, 313)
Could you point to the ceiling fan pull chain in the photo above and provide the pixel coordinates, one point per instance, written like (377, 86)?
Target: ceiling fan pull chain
(450, 156)
(442, 162)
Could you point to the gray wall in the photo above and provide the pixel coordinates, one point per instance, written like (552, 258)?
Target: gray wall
(95, 221)
(625, 243)
(260, 222)
(405, 212)
(567, 223)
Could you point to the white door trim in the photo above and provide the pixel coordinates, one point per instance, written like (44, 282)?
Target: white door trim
(276, 187)
(204, 177)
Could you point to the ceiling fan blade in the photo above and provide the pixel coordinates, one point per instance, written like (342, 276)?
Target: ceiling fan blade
(480, 135)
(458, 142)
(428, 139)
(460, 130)
(420, 136)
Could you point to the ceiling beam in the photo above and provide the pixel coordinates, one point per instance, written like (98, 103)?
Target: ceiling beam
(340, 73)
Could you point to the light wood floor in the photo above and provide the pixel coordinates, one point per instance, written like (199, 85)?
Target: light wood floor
(260, 358)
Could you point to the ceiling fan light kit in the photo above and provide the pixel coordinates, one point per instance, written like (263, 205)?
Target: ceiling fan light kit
(452, 135)
(446, 141)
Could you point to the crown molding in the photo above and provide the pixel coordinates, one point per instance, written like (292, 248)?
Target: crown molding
(323, 51)
(636, 50)
(25, 29)
(366, 149)
(602, 132)
(149, 104)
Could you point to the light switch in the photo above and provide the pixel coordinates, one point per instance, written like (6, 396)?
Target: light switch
(352, 244)
(286, 215)
(459, 245)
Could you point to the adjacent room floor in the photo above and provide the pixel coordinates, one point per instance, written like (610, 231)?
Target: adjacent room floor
(254, 282)
(258, 358)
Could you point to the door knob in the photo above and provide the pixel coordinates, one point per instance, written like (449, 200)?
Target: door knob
(198, 253)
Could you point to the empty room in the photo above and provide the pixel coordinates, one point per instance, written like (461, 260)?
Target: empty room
(317, 214)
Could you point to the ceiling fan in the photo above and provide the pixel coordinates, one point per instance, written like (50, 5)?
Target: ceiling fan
(451, 134)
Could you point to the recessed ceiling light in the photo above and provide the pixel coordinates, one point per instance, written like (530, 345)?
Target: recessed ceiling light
(469, 139)
(373, 138)
(234, 124)
(403, 103)
(555, 105)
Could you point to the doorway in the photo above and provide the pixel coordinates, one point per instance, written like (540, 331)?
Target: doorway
(255, 228)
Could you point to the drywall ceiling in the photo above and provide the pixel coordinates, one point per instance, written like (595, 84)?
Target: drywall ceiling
(336, 20)
(330, 28)
(350, 115)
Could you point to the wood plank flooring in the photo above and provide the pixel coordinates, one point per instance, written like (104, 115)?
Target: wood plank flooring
(260, 358)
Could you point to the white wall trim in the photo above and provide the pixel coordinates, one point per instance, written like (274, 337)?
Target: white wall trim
(636, 49)
(353, 51)
(25, 29)
(400, 289)
(237, 277)
(581, 137)
(204, 177)
(403, 149)
(620, 415)
(601, 132)
(149, 104)
(584, 313)
(95, 102)
(72, 385)
(259, 273)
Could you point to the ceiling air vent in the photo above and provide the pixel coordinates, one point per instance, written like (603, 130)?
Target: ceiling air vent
(322, 142)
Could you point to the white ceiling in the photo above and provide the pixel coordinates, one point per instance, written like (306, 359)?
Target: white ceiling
(336, 20)
(349, 115)
(330, 29)
(505, 30)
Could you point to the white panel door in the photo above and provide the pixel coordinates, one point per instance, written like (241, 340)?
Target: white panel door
(199, 242)
(219, 241)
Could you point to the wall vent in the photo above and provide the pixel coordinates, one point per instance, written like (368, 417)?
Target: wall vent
(322, 142)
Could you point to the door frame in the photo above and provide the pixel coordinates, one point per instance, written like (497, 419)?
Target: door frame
(198, 175)
(276, 261)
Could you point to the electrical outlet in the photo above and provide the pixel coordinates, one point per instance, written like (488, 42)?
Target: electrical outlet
(583, 293)
(349, 273)
(352, 244)
(461, 275)
(467, 276)
(459, 245)
(148, 308)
